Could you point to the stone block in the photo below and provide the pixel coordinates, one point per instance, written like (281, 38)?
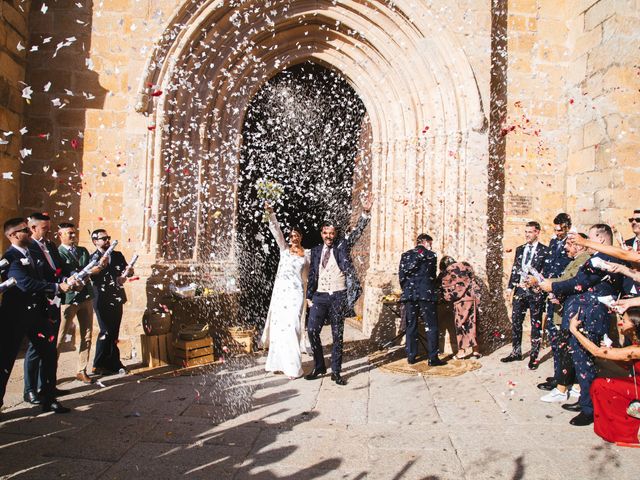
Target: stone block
(523, 6)
(70, 118)
(598, 13)
(15, 18)
(581, 161)
(10, 68)
(586, 41)
(594, 133)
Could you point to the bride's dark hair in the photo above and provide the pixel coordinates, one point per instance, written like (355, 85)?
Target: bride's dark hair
(296, 229)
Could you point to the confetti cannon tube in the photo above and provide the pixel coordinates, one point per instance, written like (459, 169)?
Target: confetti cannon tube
(130, 266)
(7, 284)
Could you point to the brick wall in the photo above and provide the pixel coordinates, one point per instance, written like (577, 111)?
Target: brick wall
(13, 41)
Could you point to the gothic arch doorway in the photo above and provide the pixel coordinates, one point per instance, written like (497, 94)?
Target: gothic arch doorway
(305, 130)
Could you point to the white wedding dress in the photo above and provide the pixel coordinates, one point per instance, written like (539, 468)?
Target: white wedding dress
(284, 333)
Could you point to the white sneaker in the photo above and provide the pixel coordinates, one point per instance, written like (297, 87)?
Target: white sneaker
(573, 393)
(555, 395)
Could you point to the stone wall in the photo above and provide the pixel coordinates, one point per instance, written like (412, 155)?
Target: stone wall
(14, 35)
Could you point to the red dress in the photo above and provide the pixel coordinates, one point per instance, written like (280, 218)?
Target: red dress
(611, 397)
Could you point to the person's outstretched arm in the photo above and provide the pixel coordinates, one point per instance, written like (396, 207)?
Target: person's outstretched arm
(274, 228)
(363, 221)
(622, 254)
(624, 354)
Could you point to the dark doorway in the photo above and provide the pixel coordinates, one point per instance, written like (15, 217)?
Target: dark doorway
(302, 131)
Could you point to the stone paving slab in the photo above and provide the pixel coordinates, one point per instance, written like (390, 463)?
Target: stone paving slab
(234, 421)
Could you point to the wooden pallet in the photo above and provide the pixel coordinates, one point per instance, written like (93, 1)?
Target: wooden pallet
(156, 349)
(189, 353)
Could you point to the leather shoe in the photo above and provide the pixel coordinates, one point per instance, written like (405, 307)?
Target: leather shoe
(83, 377)
(55, 407)
(547, 386)
(436, 362)
(550, 379)
(32, 398)
(411, 361)
(338, 379)
(572, 407)
(533, 364)
(581, 420)
(512, 357)
(315, 373)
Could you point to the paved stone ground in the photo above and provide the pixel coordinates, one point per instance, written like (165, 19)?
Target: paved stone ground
(235, 422)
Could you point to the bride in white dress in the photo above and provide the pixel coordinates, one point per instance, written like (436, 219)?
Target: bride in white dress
(284, 328)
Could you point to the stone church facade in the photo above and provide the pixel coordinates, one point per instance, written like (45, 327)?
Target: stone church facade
(483, 114)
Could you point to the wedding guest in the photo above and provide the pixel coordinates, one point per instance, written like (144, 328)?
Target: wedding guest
(560, 386)
(417, 274)
(612, 396)
(107, 303)
(24, 312)
(558, 261)
(531, 254)
(587, 285)
(77, 303)
(460, 287)
(45, 252)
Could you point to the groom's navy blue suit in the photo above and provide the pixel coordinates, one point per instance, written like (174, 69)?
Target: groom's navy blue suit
(332, 308)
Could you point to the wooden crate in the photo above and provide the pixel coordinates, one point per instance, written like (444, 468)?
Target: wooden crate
(188, 353)
(156, 349)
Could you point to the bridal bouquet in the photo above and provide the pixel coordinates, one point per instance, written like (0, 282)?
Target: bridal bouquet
(268, 192)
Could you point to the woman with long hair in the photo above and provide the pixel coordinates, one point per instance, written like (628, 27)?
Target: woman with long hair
(612, 397)
(284, 329)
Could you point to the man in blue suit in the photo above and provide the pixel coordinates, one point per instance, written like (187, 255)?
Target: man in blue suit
(332, 291)
(417, 274)
(532, 254)
(586, 286)
(24, 311)
(558, 261)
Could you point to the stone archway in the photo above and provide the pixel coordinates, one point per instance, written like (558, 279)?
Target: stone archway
(429, 144)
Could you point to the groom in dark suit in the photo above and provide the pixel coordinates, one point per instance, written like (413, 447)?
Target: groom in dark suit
(332, 291)
(417, 274)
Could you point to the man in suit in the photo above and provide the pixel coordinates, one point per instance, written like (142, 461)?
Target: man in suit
(586, 286)
(629, 286)
(77, 303)
(107, 303)
(47, 252)
(560, 385)
(532, 254)
(558, 262)
(332, 291)
(417, 274)
(24, 311)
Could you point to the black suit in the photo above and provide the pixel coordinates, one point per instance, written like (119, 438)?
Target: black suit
(107, 303)
(526, 299)
(33, 374)
(333, 307)
(417, 274)
(24, 311)
(629, 285)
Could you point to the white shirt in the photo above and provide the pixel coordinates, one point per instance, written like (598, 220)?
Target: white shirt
(524, 266)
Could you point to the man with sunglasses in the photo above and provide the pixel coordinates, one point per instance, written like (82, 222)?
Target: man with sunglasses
(107, 303)
(24, 312)
(629, 286)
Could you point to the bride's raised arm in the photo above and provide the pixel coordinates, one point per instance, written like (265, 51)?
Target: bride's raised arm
(276, 231)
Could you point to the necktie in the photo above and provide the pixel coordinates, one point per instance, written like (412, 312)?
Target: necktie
(527, 256)
(74, 251)
(47, 255)
(325, 257)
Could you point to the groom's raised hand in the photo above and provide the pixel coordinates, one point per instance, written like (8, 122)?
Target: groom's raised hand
(367, 203)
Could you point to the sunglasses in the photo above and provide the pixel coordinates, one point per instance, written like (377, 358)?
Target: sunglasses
(22, 230)
(103, 238)
(634, 219)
